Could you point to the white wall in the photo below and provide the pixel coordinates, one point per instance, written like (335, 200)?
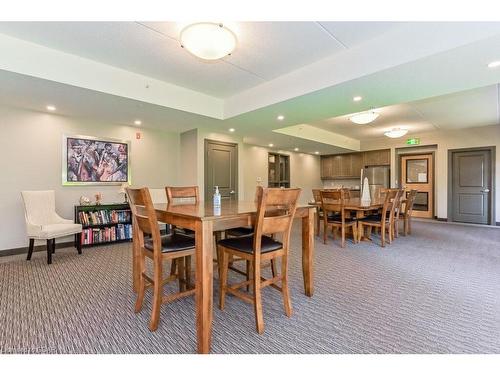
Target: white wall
(30, 159)
(446, 140)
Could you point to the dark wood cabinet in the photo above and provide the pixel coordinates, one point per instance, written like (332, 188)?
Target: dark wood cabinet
(350, 165)
(278, 170)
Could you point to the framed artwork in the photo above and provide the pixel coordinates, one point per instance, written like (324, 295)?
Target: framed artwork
(95, 161)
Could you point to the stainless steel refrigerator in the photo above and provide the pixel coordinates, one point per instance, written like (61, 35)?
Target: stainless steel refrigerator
(378, 177)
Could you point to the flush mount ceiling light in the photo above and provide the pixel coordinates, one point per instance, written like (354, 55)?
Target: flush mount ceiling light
(280, 118)
(364, 117)
(296, 149)
(357, 98)
(316, 152)
(51, 108)
(231, 130)
(271, 145)
(494, 64)
(137, 122)
(208, 40)
(396, 132)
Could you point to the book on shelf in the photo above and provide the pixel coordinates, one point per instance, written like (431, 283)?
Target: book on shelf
(108, 234)
(101, 217)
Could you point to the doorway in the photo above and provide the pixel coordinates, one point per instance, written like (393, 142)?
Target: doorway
(221, 169)
(417, 172)
(470, 181)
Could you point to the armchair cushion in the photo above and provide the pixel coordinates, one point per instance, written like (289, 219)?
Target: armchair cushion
(49, 231)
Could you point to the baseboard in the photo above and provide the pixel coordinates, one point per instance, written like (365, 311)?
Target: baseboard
(24, 250)
(441, 218)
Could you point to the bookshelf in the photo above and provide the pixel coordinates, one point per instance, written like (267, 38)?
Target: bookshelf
(104, 224)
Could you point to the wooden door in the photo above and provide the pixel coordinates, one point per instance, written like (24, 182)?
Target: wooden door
(471, 186)
(417, 172)
(221, 169)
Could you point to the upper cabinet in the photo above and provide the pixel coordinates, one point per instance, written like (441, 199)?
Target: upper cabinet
(350, 165)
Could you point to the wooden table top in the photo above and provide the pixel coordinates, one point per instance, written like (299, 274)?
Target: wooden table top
(207, 211)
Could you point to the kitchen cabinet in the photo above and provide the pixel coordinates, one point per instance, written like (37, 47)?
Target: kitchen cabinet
(348, 166)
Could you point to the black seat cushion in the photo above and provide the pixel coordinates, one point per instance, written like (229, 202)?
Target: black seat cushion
(374, 218)
(338, 219)
(171, 243)
(240, 231)
(184, 231)
(245, 244)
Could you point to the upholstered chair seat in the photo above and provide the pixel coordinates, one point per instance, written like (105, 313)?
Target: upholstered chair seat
(43, 222)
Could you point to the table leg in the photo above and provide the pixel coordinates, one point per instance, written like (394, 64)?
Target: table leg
(204, 288)
(308, 252)
(316, 213)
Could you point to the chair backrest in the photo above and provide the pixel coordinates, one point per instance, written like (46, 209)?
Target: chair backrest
(390, 203)
(40, 207)
(158, 195)
(275, 211)
(410, 199)
(144, 217)
(332, 201)
(316, 195)
(182, 193)
(347, 193)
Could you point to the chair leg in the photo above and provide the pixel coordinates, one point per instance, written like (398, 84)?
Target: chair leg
(249, 273)
(219, 260)
(382, 236)
(53, 246)
(342, 233)
(188, 272)
(405, 227)
(181, 274)
(173, 267)
(223, 279)
(257, 299)
(325, 231)
(30, 249)
(396, 228)
(273, 267)
(157, 295)
(49, 251)
(141, 287)
(284, 286)
(78, 243)
(409, 225)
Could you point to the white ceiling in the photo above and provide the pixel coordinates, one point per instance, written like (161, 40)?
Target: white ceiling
(265, 50)
(478, 107)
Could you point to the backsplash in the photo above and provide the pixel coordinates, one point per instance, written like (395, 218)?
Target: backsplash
(348, 183)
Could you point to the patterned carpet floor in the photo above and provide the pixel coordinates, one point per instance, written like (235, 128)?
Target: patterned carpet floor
(436, 291)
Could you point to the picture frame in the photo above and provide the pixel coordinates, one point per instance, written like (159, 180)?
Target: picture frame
(88, 160)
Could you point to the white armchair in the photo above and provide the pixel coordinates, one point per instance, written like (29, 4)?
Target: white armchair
(43, 222)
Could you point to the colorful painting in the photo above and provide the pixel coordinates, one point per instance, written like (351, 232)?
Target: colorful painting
(89, 160)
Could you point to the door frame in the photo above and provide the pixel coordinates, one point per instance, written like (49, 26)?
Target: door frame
(492, 150)
(400, 179)
(205, 162)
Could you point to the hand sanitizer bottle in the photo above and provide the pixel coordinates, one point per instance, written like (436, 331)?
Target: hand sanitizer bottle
(217, 197)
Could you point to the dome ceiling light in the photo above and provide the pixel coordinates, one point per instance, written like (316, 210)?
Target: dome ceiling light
(396, 132)
(364, 117)
(208, 40)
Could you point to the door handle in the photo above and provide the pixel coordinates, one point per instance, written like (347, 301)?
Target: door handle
(232, 192)
(485, 190)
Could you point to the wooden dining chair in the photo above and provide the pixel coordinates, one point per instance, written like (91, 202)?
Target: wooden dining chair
(332, 204)
(175, 247)
(183, 194)
(405, 213)
(384, 220)
(275, 211)
(319, 212)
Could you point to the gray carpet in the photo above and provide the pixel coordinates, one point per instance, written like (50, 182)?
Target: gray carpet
(436, 291)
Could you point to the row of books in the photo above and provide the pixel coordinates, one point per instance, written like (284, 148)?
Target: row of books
(108, 234)
(104, 217)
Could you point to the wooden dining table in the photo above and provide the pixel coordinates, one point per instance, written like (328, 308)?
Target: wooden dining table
(204, 220)
(356, 205)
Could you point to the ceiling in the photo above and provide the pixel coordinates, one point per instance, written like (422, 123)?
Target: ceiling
(265, 50)
(306, 71)
(471, 108)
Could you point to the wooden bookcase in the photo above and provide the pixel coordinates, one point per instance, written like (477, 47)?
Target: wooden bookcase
(104, 224)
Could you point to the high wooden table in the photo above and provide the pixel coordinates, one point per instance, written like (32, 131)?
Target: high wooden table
(204, 220)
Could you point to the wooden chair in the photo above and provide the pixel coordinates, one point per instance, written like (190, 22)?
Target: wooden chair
(275, 211)
(183, 194)
(319, 212)
(332, 204)
(175, 247)
(405, 214)
(383, 220)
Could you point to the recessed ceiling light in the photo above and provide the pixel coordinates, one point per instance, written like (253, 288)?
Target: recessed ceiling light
(271, 145)
(231, 130)
(137, 122)
(316, 152)
(494, 64)
(396, 132)
(357, 98)
(296, 149)
(280, 118)
(364, 117)
(208, 40)
(51, 108)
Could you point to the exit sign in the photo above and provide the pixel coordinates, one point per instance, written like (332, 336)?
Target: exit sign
(413, 141)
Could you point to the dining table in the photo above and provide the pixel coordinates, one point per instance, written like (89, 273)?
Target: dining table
(358, 206)
(205, 220)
